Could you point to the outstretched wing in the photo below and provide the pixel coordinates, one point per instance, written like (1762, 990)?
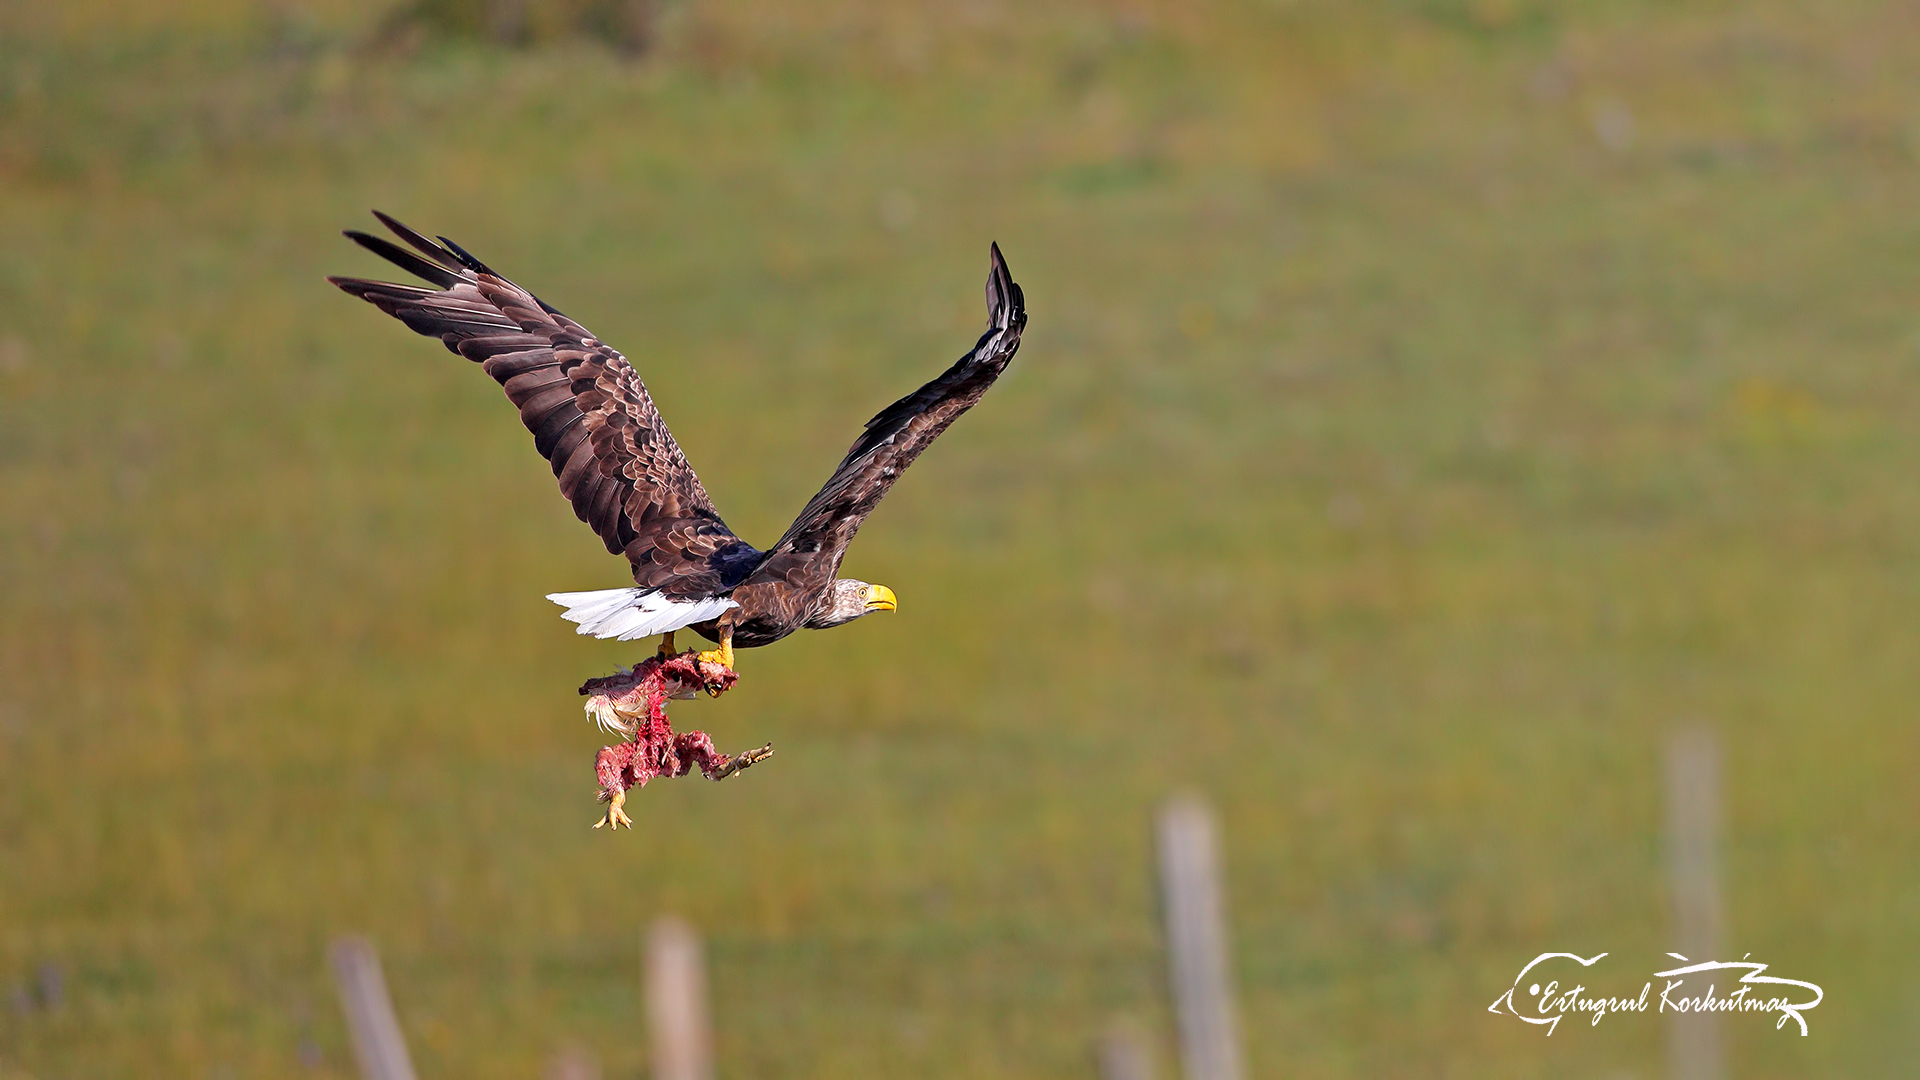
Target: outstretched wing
(818, 538)
(589, 414)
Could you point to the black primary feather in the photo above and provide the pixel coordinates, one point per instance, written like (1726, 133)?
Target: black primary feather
(405, 260)
(467, 258)
(422, 244)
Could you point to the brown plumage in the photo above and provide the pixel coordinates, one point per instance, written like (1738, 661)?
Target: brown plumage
(619, 466)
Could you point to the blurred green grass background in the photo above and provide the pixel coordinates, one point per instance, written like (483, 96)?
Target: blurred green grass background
(1428, 406)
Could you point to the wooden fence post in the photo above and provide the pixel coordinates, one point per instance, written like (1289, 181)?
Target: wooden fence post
(676, 985)
(377, 1043)
(1693, 837)
(1191, 894)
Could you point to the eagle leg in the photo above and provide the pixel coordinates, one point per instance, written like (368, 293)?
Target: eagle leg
(666, 644)
(723, 655)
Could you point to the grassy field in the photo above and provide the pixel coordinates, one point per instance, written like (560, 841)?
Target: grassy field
(1427, 407)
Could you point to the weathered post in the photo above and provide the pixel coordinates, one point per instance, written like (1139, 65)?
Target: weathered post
(1193, 899)
(1693, 838)
(676, 985)
(377, 1043)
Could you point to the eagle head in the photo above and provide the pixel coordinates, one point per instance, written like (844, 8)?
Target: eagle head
(848, 599)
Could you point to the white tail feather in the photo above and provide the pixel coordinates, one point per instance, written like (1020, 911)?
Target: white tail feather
(634, 613)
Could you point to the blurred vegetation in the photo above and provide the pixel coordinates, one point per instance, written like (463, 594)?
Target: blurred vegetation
(626, 25)
(1426, 407)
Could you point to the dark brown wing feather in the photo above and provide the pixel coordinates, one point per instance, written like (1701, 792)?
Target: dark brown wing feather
(590, 415)
(809, 554)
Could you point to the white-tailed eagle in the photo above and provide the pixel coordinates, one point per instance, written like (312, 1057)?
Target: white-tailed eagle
(592, 419)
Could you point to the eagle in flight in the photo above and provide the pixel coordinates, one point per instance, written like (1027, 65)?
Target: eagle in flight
(592, 419)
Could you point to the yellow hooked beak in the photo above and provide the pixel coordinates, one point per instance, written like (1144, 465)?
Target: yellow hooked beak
(880, 598)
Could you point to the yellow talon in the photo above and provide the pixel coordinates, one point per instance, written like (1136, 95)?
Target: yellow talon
(615, 816)
(724, 654)
(723, 657)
